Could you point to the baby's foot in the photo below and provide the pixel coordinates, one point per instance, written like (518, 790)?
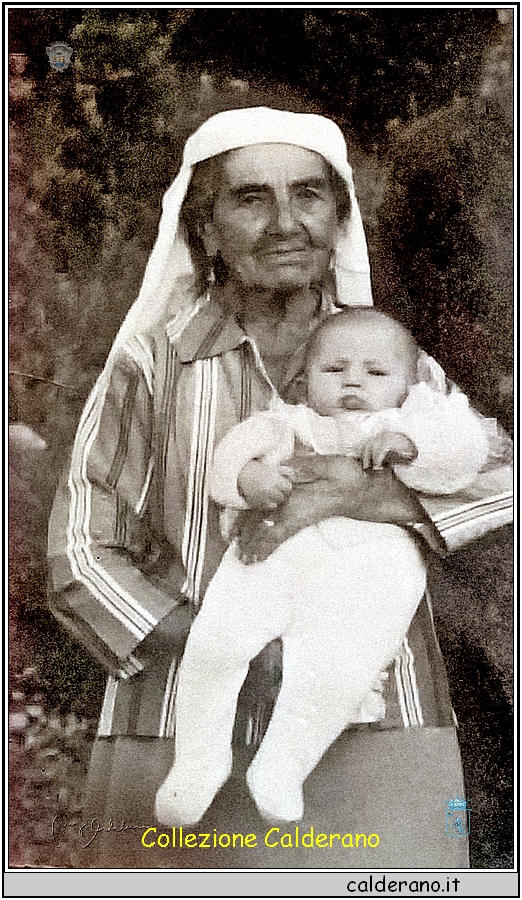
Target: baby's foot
(277, 801)
(184, 801)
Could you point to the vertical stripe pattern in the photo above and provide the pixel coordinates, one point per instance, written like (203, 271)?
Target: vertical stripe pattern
(163, 422)
(119, 602)
(166, 725)
(125, 426)
(407, 690)
(246, 383)
(202, 442)
(107, 713)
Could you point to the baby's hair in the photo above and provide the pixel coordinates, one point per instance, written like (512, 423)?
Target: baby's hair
(354, 314)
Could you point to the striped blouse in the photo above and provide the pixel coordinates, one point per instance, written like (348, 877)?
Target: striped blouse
(134, 535)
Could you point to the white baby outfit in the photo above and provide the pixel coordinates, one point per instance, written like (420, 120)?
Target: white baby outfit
(340, 594)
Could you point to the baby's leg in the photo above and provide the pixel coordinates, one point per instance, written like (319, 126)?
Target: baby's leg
(355, 608)
(241, 613)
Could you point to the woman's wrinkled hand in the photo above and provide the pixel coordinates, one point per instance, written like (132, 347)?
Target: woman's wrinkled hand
(264, 486)
(326, 486)
(319, 487)
(388, 448)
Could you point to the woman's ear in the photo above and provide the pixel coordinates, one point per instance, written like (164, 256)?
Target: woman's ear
(209, 238)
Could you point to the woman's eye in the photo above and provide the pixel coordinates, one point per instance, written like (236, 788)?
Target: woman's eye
(250, 199)
(306, 193)
(378, 372)
(333, 370)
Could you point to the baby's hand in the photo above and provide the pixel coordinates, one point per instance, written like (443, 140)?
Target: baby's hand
(264, 486)
(388, 448)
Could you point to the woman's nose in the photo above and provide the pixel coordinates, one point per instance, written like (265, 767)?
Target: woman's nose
(283, 219)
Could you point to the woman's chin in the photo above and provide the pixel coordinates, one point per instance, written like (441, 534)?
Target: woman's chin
(279, 283)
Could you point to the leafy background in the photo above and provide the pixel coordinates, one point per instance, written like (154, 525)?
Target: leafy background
(424, 97)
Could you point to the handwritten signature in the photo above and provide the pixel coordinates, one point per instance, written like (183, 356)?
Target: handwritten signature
(90, 830)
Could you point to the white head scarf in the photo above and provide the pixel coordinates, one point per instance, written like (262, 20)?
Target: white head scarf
(169, 287)
(166, 288)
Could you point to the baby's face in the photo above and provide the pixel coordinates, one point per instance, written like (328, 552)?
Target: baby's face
(360, 365)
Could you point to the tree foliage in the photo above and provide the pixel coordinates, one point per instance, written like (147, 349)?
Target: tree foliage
(364, 66)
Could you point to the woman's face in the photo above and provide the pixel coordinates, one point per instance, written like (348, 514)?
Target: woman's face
(274, 221)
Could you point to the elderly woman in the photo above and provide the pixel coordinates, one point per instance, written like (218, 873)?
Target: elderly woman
(260, 236)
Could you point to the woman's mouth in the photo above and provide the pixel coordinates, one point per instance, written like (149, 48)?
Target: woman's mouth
(287, 257)
(286, 252)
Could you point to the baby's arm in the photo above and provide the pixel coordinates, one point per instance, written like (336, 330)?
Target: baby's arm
(449, 439)
(247, 470)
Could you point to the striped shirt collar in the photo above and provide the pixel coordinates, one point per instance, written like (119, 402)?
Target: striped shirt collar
(211, 332)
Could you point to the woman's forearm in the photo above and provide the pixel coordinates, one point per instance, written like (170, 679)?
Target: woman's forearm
(327, 486)
(99, 589)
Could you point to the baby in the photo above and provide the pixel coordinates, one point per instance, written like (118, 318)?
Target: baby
(340, 594)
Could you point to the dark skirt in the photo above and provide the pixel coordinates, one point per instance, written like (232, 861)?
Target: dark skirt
(390, 787)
